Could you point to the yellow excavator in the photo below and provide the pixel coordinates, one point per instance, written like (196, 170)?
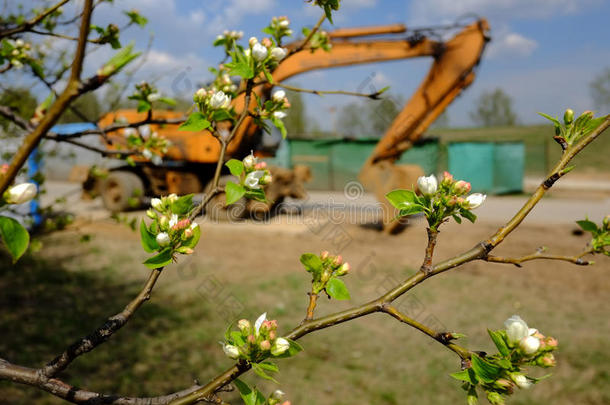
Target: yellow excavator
(190, 159)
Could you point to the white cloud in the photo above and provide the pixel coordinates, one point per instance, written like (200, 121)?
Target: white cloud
(510, 44)
(431, 11)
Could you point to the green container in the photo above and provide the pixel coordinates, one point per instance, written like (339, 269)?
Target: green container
(490, 167)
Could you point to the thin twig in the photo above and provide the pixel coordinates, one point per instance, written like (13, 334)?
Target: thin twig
(26, 26)
(372, 96)
(540, 256)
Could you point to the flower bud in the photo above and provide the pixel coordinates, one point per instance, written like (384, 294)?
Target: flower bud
(568, 116)
(185, 250)
(172, 198)
(279, 115)
(338, 260)
(151, 214)
(265, 345)
(504, 383)
(200, 95)
(163, 239)
(606, 222)
(324, 255)
(427, 185)
(475, 200)
(285, 23)
(461, 187)
(344, 269)
(495, 398)
(249, 161)
(20, 193)
(551, 342)
(156, 203)
(516, 329)
(231, 351)
(280, 346)
(260, 166)
(266, 179)
(521, 380)
(272, 335)
(277, 395)
(152, 97)
(259, 52)
(244, 325)
(548, 360)
(277, 54)
(251, 339)
(529, 344)
(278, 96)
(325, 276)
(266, 42)
(252, 41)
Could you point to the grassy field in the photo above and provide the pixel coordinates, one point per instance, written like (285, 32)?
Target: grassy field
(69, 288)
(540, 148)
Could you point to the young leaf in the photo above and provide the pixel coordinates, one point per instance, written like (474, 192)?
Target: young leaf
(167, 100)
(183, 205)
(485, 370)
(143, 106)
(260, 371)
(336, 289)
(195, 122)
(236, 167)
(162, 259)
(222, 115)
(234, 192)
(468, 215)
(246, 393)
(402, 199)
(312, 262)
(467, 375)
(587, 226)
(499, 342)
(148, 240)
(16, 238)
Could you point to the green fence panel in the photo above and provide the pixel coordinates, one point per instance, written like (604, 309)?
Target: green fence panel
(426, 155)
(509, 166)
(347, 159)
(316, 155)
(473, 162)
(491, 167)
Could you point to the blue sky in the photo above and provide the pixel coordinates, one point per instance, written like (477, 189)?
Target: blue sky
(543, 53)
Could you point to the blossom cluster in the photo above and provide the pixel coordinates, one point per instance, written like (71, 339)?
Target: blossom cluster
(252, 175)
(210, 100)
(438, 201)
(147, 143)
(145, 95)
(264, 51)
(326, 270)
(600, 242)
(279, 28)
(16, 52)
(228, 39)
(171, 231)
(274, 108)
(223, 81)
(255, 343)
(497, 375)
(319, 40)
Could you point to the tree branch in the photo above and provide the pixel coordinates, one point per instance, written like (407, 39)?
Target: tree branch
(372, 96)
(539, 255)
(33, 22)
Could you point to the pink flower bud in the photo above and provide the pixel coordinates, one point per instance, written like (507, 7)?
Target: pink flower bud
(261, 165)
(251, 339)
(272, 335)
(266, 42)
(243, 324)
(324, 255)
(461, 187)
(344, 269)
(338, 260)
(447, 178)
(548, 360)
(551, 342)
(265, 345)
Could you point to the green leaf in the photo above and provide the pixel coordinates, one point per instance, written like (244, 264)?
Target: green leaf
(457, 219)
(237, 339)
(588, 226)
(183, 205)
(467, 375)
(167, 100)
(143, 106)
(336, 289)
(234, 192)
(162, 259)
(195, 122)
(328, 12)
(256, 194)
(236, 167)
(247, 394)
(553, 119)
(279, 124)
(402, 199)
(486, 371)
(241, 68)
(312, 263)
(261, 368)
(221, 115)
(498, 340)
(267, 75)
(413, 209)
(268, 366)
(148, 240)
(468, 215)
(16, 238)
(292, 350)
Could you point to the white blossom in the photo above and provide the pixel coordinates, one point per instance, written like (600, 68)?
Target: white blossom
(427, 185)
(279, 115)
(20, 193)
(278, 96)
(163, 239)
(156, 203)
(259, 322)
(220, 100)
(253, 179)
(250, 161)
(516, 329)
(280, 346)
(475, 200)
(173, 220)
(521, 381)
(153, 97)
(231, 351)
(259, 52)
(530, 344)
(278, 54)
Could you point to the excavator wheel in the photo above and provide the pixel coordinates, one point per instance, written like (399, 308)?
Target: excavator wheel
(217, 210)
(121, 191)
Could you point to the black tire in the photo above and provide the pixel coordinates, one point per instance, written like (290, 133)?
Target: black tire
(216, 210)
(122, 191)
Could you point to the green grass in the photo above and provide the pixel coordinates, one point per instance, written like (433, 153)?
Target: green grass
(540, 148)
(173, 339)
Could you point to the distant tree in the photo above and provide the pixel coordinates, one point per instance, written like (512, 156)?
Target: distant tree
(382, 113)
(296, 122)
(442, 121)
(86, 109)
(600, 89)
(19, 99)
(352, 120)
(493, 109)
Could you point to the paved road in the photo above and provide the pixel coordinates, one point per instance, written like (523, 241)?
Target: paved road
(362, 207)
